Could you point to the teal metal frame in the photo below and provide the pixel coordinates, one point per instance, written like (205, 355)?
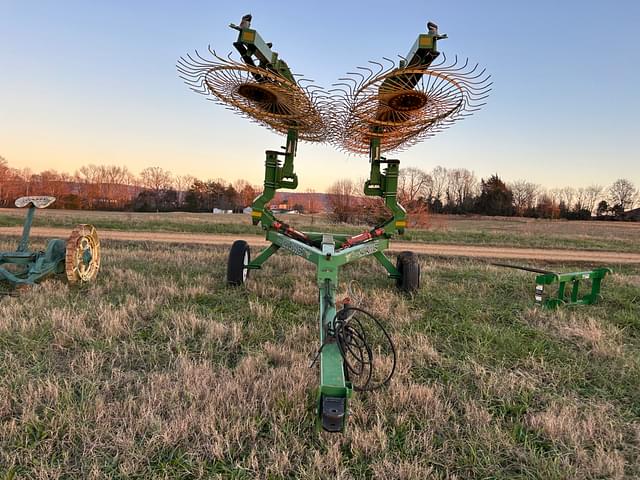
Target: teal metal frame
(32, 266)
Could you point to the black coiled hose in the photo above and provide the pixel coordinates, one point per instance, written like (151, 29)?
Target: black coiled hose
(356, 349)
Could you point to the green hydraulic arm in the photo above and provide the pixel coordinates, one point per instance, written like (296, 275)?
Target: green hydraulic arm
(253, 48)
(278, 174)
(384, 183)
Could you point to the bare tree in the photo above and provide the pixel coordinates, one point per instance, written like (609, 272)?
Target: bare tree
(440, 178)
(182, 183)
(313, 204)
(4, 177)
(623, 193)
(342, 195)
(88, 176)
(593, 194)
(524, 195)
(4, 168)
(156, 179)
(246, 192)
(554, 194)
(413, 184)
(453, 180)
(547, 205)
(581, 199)
(567, 196)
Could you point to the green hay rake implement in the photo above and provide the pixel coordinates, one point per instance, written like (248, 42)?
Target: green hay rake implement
(375, 110)
(562, 294)
(78, 257)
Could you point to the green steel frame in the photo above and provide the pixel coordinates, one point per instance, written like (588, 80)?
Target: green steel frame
(328, 251)
(562, 296)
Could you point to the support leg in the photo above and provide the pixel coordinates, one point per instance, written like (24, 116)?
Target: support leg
(26, 230)
(388, 266)
(595, 290)
(263, 256)
(574, 291)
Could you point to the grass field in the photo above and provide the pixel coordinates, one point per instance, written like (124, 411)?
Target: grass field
(449, 229)
(161, 371)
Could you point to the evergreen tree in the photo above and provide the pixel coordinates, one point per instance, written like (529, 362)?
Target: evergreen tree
(495, 197)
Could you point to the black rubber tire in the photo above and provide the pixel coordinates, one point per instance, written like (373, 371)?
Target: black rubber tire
(239, 257)
(409, 268)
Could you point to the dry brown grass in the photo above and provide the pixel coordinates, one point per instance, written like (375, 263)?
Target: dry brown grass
(588, 431)
(160, 371)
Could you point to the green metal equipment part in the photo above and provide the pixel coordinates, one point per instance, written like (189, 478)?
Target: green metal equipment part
(563, 296)
(395, 107)
(327, 251)
(78, 257)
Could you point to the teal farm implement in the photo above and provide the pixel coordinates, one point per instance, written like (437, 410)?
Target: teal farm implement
(377, 110)
(78, 257)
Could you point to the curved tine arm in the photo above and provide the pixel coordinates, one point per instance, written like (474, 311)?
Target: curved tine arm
(184, 63)
(192, 69)
(196, 63)
(478, 97)
(218, 57)
(335, 90)
(188, 63)
(371, 73)
(349, 90)
(353, 80)
(440, 60)
(357, 84)
(353, 86)
(181, 71)
(205, 61)
(379, 65)
(393, 64)
(469, 77)
(454, 67)
(367, 77)
(192, 83)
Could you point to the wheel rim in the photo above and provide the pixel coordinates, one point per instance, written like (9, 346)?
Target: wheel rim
(83, 254)
(245, 262)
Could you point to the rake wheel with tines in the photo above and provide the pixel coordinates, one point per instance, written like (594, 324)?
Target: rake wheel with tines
(369, 112)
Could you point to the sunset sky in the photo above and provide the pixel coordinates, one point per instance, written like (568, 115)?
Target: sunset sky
(95, 82)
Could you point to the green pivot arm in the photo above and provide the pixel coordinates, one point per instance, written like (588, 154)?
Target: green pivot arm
(384, 183)
(277, 175)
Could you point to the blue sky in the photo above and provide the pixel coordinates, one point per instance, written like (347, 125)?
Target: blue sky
(95, 82)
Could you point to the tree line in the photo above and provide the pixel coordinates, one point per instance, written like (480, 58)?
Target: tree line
(110, 187)
(441, 190)
(459, 191)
